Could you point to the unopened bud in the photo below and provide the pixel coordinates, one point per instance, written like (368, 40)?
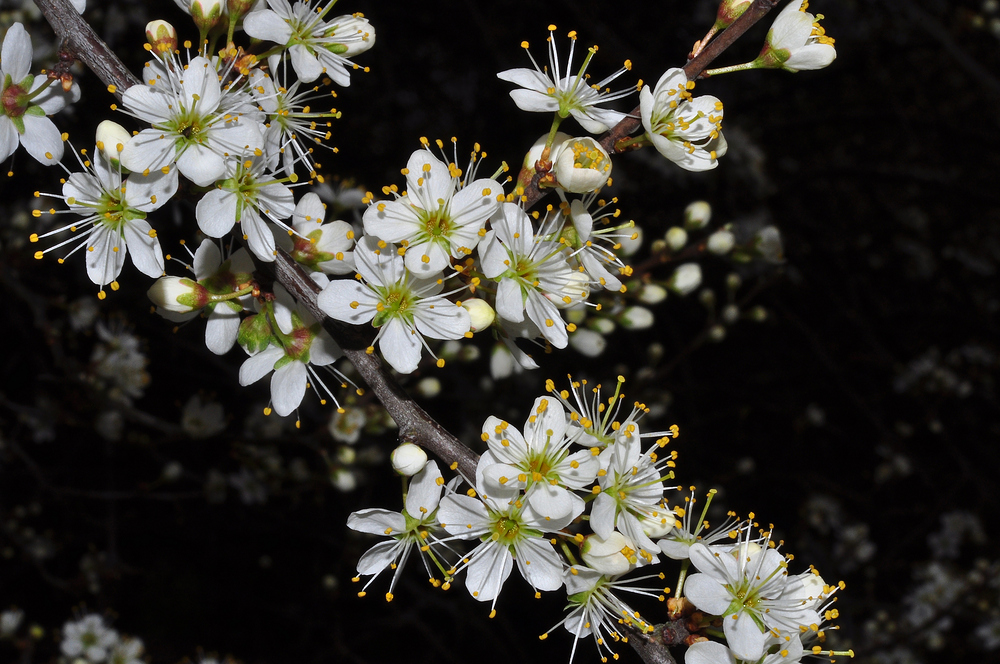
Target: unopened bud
(429, 387)
(769, 245)
(733, 282)
(611, 557)
(172, 471)
(716, 333)
(206, 14)
(652, 294)
(686, 278)
(481, 314)
(602, 325)
(179, 295)
(343, 480)
(238, 8)
(581, 165)
(588, 343)
(111, 140)
(730, 314)
(408, 459)
(721, 242)
(677, 237)
(697, 215)
(636, 318)
(729, 11)
(162, 37)
(758, 314)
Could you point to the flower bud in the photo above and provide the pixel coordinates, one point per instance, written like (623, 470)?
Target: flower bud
(429, 387)
(346, 455)
(677, 237)
(481, 314)
(721, 242)
(729, 11)
(730, 314)
(652, 294)
(686, 278)
(697, 215)
(716, 333)
(769, 245)
(636, 318)
(581, 165)
(528, 168)
(588, 343)
(343, 480)
(162, 37)
(733, 282)
(178, 295)
(611, 557)
(206, 14)
(238, 8)
(408, 459)
(111, 140)
(602, 325)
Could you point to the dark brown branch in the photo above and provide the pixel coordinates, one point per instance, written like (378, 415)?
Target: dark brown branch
(693, 69)
(77, 37)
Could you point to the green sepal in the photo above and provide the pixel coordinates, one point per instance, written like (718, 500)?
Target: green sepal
(255, 333)
(37, 111)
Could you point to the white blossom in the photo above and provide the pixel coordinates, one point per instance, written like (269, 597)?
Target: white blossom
(684, 129)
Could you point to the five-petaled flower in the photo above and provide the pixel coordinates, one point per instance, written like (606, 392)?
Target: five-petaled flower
(684, 129)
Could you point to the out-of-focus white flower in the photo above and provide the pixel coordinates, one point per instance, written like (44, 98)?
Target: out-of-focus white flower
(652, 294)
(554, 89)
(88, 637)
(126, 651)
(10, 621)
(347, 423)
(632, 242)
(769, 245)
(201, 419)
(27, 100)
(676, 238)
(697, 215)
(684, 129)
(315, 46)
(118, 359)
(588, 342)
(636, 318)
(324, 247)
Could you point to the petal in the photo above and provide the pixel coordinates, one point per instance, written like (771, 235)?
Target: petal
(8, 138)
(545, 315)
(309, 213)
(429, 182)
(258, 235)
(400, 346)
(221, 330)
(147, 104)
(539, 564)
(347, 301)
(41, 139)
(259, 365)
(439, 318)
(708, 595)
(376, 521)
(602, 516)
(105, 255)
(546, 426)
(708, 652)
(216, 213)
(144, 248)
(200, 86)
(510, 300)
(379, 557)
(462, 516)
(306, 65)
(265, 24)
(324, 350)
(425, 492)
(745, 638)
(15, 57)
(490, 567)
(150, 192)
(207, 259)
(426, 259)
(198, 163)
(288, 386)
(552, 502)
(150, 149)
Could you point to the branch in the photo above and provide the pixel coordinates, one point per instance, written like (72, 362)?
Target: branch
(78, 38)
(694, 68)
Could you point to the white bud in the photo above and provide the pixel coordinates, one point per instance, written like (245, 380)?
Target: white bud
(343, 480)
(408, 459)
(178, 295)
(631, 244)
(581, 165)
(588, 343)
(481, 314)
(111, 140)
(658, 524)
(721, 242)
(162, 37)
(172, 471)
(677, 237)
(716, 333)
(697, 215)
(429, 387)
(206, 13)
(652, 294)
(730, 314)
(346, 426)
(602, 325)
(769, 244)
(346, 455)
(636, 318)
(686, 278)
(611, 557)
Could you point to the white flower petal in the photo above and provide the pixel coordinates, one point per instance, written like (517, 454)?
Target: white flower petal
(379, 557)
(259, 365)
(15, 57)
(198, 163)
(221, 329)
(377, 521)
(488, 570)
(539, 564)
(288, 386)
(216, 212)
(424, 493)
(144, 248)
(400, 346)
(41, 139)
